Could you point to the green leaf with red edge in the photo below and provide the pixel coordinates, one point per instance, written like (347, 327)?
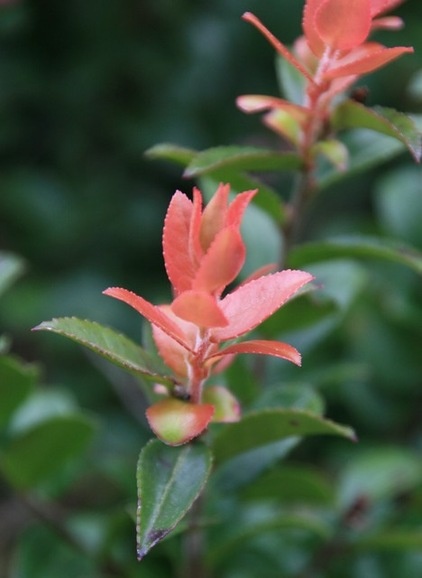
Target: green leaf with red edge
(351, 114)
(169, 481)
(114, 346)
(177, 422)
(241, 158)
(263, 427)
(356, 246)
(170, 152)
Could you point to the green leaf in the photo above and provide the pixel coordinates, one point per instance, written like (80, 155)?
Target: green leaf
(399, 204)
(290, 80)
(367, 149)
(254, 522)
(356, 246)
(170, 152)
(379, 473)
(169, 481)
(241, 158)
(263, 427)
(292, 396)
(292, 485)
(45, 449)
(11, 267)
(114, 346)
(352, 114)
(397, 539)
(16, 382)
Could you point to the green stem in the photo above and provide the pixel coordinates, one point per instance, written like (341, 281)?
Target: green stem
(301, 196)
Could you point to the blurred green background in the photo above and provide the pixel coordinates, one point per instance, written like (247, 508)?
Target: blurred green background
(86, 86)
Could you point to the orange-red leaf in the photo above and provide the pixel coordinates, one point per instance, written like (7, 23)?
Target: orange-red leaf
(214, 215)
(222, 263)
(176, 241)
(150, 312)
(279, 46)
(341, 24)
(262, 347)
(254, 302)
(369, 57)
(199, 308)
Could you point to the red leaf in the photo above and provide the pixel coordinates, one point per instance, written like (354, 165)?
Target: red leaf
(343, 25)
(214, 215)
(262, 347)
(252, 303)
(176, 240)
(279, 46)
(367, 58)
(199, 308)
(259, 102)
(222, 263)
(150, 312)
(176, 422)
(174, 355)
(309, 28)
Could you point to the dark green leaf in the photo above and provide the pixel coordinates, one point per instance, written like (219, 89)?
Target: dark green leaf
(356, 246)
(45, 449)
(398, 539)
(169, 480)
(114, 346)
(11, 267)
(253, 522)
(241, 158)
(352, 114)
(263, 427)
(292, 396)
(367, 149)
(380, 473)
(166, 151)
(16, 382)
(292, 484)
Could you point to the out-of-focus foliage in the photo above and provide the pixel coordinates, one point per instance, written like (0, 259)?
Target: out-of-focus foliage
(85, 89)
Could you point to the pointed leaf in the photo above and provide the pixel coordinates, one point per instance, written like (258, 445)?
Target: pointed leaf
(263, 427)
(241, 158)
(178, 257)
(253, 302)
(388, 121)
(262, 347)
(169, 481)
(154, 314)
(267, 199)
(167, 151)
(279, 46)
(114, 346)
(357, 246)
(222, 262)
(360, 63)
